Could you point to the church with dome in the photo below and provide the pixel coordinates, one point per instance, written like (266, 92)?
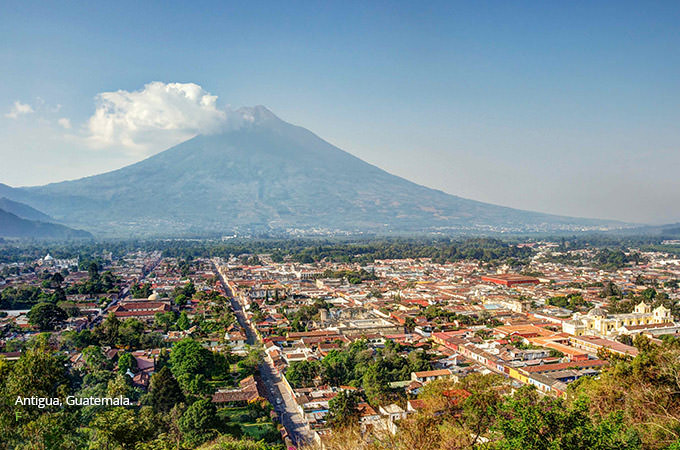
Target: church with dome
(598, 322)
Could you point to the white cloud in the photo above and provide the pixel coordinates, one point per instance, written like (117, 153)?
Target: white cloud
(19, 109)
(65, 123)
(155, 117)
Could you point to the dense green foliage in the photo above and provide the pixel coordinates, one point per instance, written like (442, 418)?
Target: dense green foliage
(530, 421)
(361, 367)
(51, 290)
(614, 259)
(352, 276)
(22, 297)
(128, 333)
(165, 391)
(168, 416)
(573, 302)
(192, 365)
(46, 316)
(302, 250)
(342, 409)
(96, 284)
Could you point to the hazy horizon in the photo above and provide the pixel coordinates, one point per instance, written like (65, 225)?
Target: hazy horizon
(563, 109)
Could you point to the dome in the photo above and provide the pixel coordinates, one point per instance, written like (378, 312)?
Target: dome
(154, 296)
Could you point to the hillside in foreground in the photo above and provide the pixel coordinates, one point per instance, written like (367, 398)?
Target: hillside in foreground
(632, 405)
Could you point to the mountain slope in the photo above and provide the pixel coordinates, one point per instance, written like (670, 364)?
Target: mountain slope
(22, 210)
(267, 175)
(13, 226)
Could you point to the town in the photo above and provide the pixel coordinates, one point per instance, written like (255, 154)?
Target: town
(266, 347)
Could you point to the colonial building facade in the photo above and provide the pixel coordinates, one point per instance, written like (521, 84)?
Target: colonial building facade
(598, 322)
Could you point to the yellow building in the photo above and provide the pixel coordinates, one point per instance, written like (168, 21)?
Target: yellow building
(598, 322)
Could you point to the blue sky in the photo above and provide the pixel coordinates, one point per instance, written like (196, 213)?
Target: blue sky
(562, 107)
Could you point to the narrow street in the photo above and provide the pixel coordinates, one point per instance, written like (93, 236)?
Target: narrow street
(280, 396)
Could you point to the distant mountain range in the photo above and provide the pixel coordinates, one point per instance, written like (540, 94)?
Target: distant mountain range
(667, 231)
(23, 211)
(14, 226)
(269, 176)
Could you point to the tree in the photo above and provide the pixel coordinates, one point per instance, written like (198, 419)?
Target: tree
(645, 389)
(39, 372)
(183, 321)
(130, 332)
(56, 280)
(165, 391)
(480, 408)
(342, 409)
(47, 431)
(94, 359)
(126, 362)
(77, 339)
(60, 296)
(249, 365)
(107, 331)
(180, 300)
(649, 293)
(46, 316)
(22, 296)
(189, 357)
(302, 373)
(610, 290)
(151, 340)
(123, 427)
(409, 324)
(529, 421)
(141, 291)
(120, 386)
(199, 422)
(336, 367)
(162, 359)
(187, 290)
(375, 382)
(164, 320)
(440, 423)
(93, 271)
(195, 384)
(625, 339)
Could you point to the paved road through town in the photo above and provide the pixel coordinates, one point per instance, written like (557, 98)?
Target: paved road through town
(280, 396)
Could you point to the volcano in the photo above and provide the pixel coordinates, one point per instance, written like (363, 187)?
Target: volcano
(268, 176)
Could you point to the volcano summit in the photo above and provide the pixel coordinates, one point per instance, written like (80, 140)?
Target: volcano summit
(270, 176)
